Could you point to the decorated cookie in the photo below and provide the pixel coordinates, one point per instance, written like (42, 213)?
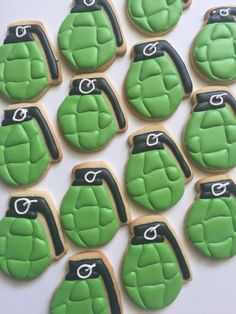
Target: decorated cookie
(28, 63)
(94, 206)
(91, 115)
(30, 235)
(27, 145)
(213, 50)
(210, 222)
(157, 80)
(154, 266)
(156, 171)
(90, 287)
(90, 37)
(155, 17)
(210, 134)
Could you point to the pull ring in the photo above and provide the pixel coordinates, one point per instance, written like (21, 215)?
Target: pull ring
(219, 189)
(150, 49)
(26, 203)
(88, 83)
(86, 268)
(93, 174)
(21, 30)
(89, 3)
(153, 139)
(153, 231)
(217, 100)
(22, 112)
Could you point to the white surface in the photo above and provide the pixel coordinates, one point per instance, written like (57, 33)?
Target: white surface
(213, 287)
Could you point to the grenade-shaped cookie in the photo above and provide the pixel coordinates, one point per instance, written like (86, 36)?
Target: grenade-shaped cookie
(155, 17)
(154, 266)
(90, 287)
(28, 63)
(27, 145)
(157, 80)
(211, 220)
(213, 50)
(30, 236)
(210, 134)
(94, 206)
(90, 36)
(156, 171)
(91, 115)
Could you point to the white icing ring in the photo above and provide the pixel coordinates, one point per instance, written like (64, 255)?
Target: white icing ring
(21, 30)
(22, 112)
(88, 268)
(26, 204)
(218, 97)
(218, 189)
(224, 12)
(89, 3)
(93, 174)
(150, 49)
(88, 83)
(151, 230)
(153, 136)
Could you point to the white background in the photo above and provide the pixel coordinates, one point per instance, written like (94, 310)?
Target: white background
(213, 289)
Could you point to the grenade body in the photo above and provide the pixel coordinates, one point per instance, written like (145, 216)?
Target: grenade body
(155, 17)
(213, 49)
(154, 180)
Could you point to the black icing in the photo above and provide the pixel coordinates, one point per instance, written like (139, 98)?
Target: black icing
(36, 29)
(42, 207)
(101, 84)
(162, 232)
(99, 270)
(163, 46)
(216, 17)
(98, 5)
(34, 113)
(206, 189)
(203, 100)
(107, 176)
(140, 145)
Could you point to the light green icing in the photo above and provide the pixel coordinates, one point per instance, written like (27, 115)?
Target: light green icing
(155, 16)
(88, 215)
(154, 88)
(151, 275)
(211, 226)
(214, 51)
(87, 41)
(81, 296)
(23, 73)
(24, 249)
(24, 157)
(154, 180)
(87, 121)
(210, 138)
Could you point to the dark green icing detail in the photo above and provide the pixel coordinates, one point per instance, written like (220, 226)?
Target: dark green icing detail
(155, 16)
(210, 138)
(151, 275)
(211, 226)
(87, 121)
(214, 51)
(154, 180)
(30, 78)
(24, 156)
(87, 41)
(88, 215)
(154, 88)
(81, 296)
(24, 249)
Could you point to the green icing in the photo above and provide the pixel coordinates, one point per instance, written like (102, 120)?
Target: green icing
(154, 88)
(24, 249)
(87, 121)
(214, 51)
(86, 40)
(88, 215)
(210, 138)
(23, 73)
(81, 296)
(155, 16)
(151, 275)
(24, 156)
(154, 180)
(211, 226)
